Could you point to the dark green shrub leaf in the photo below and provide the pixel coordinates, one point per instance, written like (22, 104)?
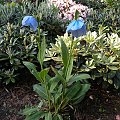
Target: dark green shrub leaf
(81, 93)
(65, 53)
(72, 91)
(40, 91)
(41, 53)
(42, 74)
(29, 110)
(36, 116)
(32, 69)
(48, 116)
(79, 77)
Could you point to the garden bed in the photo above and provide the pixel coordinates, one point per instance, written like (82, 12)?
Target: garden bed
(99, 104)
(70, 77)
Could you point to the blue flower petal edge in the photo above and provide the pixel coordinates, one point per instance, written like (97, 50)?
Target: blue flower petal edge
(30, 21)
(79, 32)
(77, 28)
(75, 25)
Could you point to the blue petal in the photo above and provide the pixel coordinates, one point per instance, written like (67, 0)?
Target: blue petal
(75, 25)
(79, 32)
(70, 25)
(78, 25)
(83, 30)
(33, 23)
(25, 21)
(30, 21)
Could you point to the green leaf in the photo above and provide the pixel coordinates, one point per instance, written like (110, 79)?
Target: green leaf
(72, 91)
(65, 53)
(76, 14)
(29, 110)
(79, 77)
(113, 67)
(29, 65)
(60, 77)
(81, 93)
(35, 116)
(48, 116)
(42, 74)
(111, 59)
(53, 83)
(32, 69)
(68, 68)
(57, 117)
(57, 96)
(40, 91)
(12, 80)
(41, 53)
(60, 117)
(7, 81)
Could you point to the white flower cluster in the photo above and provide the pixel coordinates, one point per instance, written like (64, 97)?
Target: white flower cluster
(68, 8)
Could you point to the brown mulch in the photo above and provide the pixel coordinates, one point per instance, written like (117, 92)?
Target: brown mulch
(14, 97)
(98, 104)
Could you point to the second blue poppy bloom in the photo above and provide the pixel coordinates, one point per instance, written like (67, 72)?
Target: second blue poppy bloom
(77, 28)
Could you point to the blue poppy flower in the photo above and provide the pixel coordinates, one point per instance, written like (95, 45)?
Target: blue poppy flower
(30, 21)
(77, 28)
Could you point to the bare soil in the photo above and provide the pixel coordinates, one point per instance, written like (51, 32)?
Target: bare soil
(99, 104)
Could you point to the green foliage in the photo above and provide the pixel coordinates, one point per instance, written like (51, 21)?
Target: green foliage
(10, 12)
(45, 14)
(95, 53)
(101, 57)
(96, 4)
(41, 53)
(2, 2)
(57, 92)
(54, 51)
(16, 44)
(111, 3)
(105, 16)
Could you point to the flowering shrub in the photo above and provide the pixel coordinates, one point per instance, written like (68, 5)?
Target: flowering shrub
(68, 8)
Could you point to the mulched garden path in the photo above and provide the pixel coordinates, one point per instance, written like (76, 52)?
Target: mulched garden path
(98, 104)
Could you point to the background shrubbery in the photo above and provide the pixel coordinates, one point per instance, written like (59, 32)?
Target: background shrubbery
(18, 43)
(103, 14)
(12, 46)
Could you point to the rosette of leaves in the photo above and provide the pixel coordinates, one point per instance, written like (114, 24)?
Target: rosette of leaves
(59, 92)
(16, 44)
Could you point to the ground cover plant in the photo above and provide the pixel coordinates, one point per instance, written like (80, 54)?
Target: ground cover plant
(71, 50)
